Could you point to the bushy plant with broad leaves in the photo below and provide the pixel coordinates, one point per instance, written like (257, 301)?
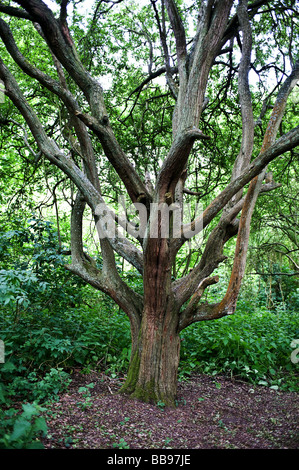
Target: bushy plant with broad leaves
(22, 431)
(253, 345)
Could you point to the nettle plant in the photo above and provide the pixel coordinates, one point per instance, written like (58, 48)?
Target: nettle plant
(204, 125)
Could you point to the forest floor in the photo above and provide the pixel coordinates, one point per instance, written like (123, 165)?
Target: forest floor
(212, 413)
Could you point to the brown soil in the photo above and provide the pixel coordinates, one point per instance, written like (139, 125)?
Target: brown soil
(212, 413)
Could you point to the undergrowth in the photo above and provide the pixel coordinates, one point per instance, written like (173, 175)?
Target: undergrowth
(52, 324)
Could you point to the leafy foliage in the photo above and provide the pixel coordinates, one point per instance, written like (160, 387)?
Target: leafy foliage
(54, 331)
(21, 431)
(253, 345)
(50, 321)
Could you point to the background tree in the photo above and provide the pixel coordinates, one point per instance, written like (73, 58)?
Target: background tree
(207, 129)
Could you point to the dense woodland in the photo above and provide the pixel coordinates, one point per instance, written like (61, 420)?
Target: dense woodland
(189, 106)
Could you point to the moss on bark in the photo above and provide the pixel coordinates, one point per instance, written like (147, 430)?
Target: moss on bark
(150, 393)
(132, 377)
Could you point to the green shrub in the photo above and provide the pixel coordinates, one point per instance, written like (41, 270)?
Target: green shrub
(249, 345)
(49, 319)
(51, 323)
(22, 431)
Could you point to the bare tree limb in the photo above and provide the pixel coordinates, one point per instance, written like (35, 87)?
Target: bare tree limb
(106, 136)
(189, 311)
(107, 280)
(52, 152)
(285, 143)
(179, 31)
(176, 159)
(16, 12)
(245, 153)
(162, 32)
(230, 299)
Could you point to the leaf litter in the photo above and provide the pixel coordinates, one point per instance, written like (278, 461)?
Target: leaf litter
(211, 413)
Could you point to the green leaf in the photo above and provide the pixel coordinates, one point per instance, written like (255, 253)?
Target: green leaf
(274, 387)
(263, 382)
(21, 427)
(40, 425)
(8, 367)
(30, 410)
(2, 394)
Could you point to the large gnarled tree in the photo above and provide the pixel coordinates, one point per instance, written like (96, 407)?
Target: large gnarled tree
(168, 305)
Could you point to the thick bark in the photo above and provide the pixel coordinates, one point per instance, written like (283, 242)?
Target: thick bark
(152, 375)
(153, 371)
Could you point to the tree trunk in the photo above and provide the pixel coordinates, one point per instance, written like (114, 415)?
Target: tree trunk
(152, 375)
